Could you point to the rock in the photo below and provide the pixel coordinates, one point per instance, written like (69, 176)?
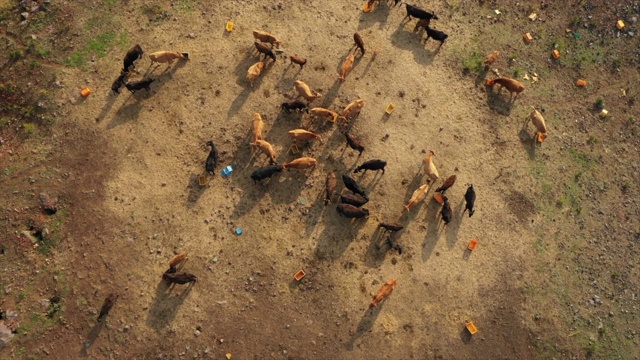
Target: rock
(24, 15)
(49, 203)
(191, 36)
(5, 334)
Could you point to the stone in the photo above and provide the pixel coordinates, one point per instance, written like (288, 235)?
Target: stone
(48, 203)
(5, 334)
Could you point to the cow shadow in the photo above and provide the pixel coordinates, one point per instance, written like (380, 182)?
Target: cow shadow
(93, 335)
(528, 142)
(379, 15)
(452, 229)
(129, 111)
(331, 94)
(365, 325)
(290, 185)
(433, 229)
(338, 233)
(497, 102)
(195, 190)
(165, 306)
(480, 78)
(407, 40)
(111, 99)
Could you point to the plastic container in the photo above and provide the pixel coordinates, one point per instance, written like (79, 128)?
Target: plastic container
(85, 92)
(604, 112)
(227, 171)
(294, 149)
(390, 108)
(528, 37)
(472, 244)
(620, 24)
(238, 231)
(471, 327)
(555, 54)
(299, 275)
(229, 26)
(581, 83)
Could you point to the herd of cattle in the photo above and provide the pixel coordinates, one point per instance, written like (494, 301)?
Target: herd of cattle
(352, 202)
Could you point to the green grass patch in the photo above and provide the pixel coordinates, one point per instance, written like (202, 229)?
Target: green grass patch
(581, 158)
(97, 45)
(473, 62)
(29, 128)
(186, 5)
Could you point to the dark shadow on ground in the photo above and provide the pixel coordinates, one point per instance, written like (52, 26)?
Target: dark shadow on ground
(338, 233)
(498, 101)
(92, 337)
(379, 14)
(405, 39)
(465, 336)
(112, 97)
(165, 304)
(433, 231)
(453, 227)
(366, 324)
(528, 142)
(195, 189)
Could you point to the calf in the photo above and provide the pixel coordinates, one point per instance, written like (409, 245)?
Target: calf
(303, 90)
(139, 85)
(418, 13)
(295, 105)
(393, 227)
(132, 55)
(446, 212)
(107, 305)
(119, 82)
(351, 211)
(470, 198)
(436, 35)
(359, 42)
(265, 37)
(329, 187)
(375, 164)
(254, 71)
(353, 185)
(353, 199)
(267, 51)
(212, 159)
(179, 278)
(301, 163)
(347, 65)
(514, 86)
(167, 56)
(354, 143)
(265, 172)
(298, 60)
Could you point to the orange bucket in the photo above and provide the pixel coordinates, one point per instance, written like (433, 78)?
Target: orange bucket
(555, 54)
(472, 244)
(85, 92)
(471, 327)
(527, 37)
(299, 275)
(581, 83)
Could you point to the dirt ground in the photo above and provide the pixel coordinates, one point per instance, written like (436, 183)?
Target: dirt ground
(555, 274)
